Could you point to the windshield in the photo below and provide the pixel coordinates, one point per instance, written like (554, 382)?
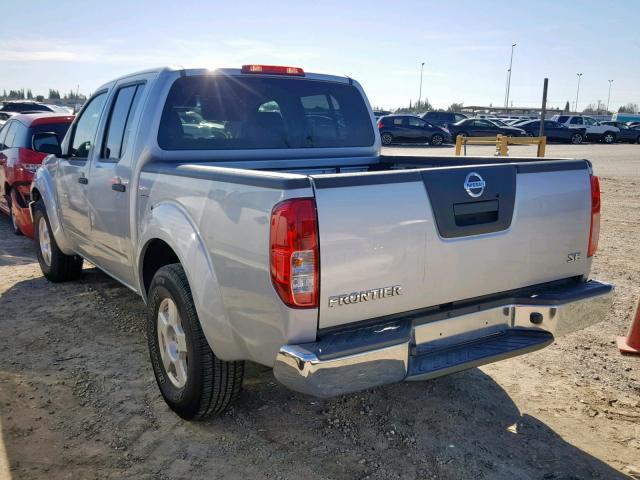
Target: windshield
(221, 113)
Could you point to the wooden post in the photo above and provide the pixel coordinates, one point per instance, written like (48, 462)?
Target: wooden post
(542, 146)
(504, 150)
(458, 145)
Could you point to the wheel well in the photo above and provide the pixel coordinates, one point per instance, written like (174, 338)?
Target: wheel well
(157, 254)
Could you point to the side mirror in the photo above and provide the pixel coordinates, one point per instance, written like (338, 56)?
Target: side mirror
(46, 142)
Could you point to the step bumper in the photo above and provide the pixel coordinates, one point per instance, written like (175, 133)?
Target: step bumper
(424, 346)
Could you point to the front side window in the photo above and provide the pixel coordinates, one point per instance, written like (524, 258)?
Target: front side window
(11, 134)
(3, 134)
(86, 126)
(590, 121)
(416, 122)
(245, 112)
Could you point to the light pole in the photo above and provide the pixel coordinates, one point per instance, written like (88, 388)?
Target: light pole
(506, 102)
(609, 96)
(420, 95)
(578, 90)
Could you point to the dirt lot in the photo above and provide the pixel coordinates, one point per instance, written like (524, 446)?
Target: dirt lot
(78, 398)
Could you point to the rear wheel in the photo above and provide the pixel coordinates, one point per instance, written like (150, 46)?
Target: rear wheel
(387, 138)
(638, 139)
(55, 265)
(437, 139)
(193, 381)
(14, 223)
(608, 137)
(576, 138)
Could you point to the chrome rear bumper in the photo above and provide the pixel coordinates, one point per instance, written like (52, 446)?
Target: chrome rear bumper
(439, 343)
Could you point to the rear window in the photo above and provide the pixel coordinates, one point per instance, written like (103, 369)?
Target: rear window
(223, 113)
(60, 129)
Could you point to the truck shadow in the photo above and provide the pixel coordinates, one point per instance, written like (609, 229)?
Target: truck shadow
(77, 364)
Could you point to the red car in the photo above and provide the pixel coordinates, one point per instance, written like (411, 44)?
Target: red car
(25, 140)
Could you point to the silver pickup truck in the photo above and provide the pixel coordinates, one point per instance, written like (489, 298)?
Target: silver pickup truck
(253, 212)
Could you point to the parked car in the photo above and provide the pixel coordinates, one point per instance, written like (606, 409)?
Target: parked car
(554, 131)
(409, 128)
(381, 113)
(4, 116)
(478, 127)
(292, 242)
(24, 142)
(24, 106)
(443, 119)
(593, 129)
(627, 133)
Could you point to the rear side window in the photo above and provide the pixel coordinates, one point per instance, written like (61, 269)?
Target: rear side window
(122, 112)
(563, 118)
(222, 113)
(576, 121)
(11, 133)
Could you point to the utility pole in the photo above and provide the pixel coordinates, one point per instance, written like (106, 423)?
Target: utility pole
(420, 95)
(609, 96)
(578, 90)
(543, 113)
(506, 103)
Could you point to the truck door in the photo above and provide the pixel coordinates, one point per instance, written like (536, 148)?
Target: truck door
(109, 195)
(73, 179)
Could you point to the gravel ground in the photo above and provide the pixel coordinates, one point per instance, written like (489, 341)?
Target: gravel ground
(78, 398)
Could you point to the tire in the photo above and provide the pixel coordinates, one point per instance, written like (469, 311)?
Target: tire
(386, 138)
(194, 383)
(14, 223)
(576, 138)
(55, 265)
(608, 137)
(638, 139)
(436, 139)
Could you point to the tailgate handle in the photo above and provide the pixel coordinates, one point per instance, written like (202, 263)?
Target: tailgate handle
(475, 213)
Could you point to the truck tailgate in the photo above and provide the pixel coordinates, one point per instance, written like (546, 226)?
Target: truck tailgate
(396, 241)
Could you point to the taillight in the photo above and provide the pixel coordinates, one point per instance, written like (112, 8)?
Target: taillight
(294, 252)
(26, 155)
(379, 124)
(594, 230)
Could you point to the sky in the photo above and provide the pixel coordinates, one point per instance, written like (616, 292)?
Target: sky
(465, 45)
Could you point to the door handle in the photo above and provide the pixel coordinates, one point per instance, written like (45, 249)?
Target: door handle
(119, 187)
(83, 180)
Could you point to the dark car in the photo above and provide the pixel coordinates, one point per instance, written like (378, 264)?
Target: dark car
(554, 131)
(479, 127)
(628, 133)
(409, 128)
(381, 113)
(443, 119)
(24, 107)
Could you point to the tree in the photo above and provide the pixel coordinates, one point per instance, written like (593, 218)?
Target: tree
(567, 107)
(54, 94)
(455, 107)
(29, 94)
(629, 108)
(590, 109)
(39, 98)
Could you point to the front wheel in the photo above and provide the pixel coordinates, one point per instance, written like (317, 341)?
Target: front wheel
(638, 139)
(576, 138)
(437, 139)
(608, 137)
(387, 138)
(193, 381)
(55, 265)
